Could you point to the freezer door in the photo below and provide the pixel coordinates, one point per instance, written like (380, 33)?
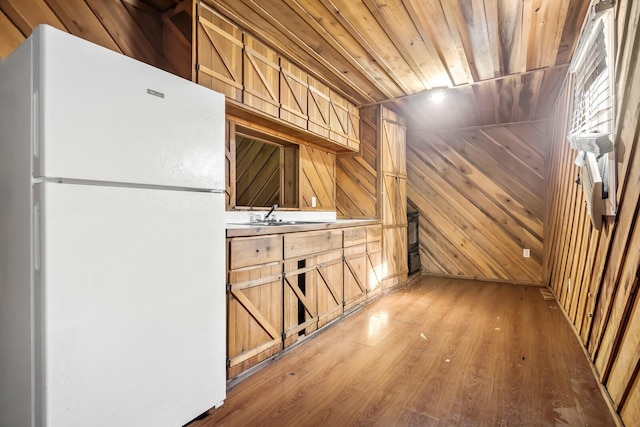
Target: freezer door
(133, 295)
(104, 116)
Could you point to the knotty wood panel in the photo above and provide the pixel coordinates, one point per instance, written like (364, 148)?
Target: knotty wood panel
(602, 300)
(218, 51)
(317, 178)
(480, 195)
(125, 26)
(356, 175)
(261, 70)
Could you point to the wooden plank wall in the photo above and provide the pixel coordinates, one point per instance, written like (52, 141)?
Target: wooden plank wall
(356, 175)
(480, 195)
(125, 26)
(317, 178)
(602, 300)
(257, 173)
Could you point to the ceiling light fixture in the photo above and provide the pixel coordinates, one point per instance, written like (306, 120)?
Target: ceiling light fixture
(437, 96)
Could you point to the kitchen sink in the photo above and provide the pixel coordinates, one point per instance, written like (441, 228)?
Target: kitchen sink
(282, 223)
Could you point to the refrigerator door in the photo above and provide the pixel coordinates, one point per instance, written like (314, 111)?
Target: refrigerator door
(133, 294)
(106, 117)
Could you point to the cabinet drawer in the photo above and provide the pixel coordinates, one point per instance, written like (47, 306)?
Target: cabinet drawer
(248, 251)
(311, 242)
(354, 236)
(374, 238)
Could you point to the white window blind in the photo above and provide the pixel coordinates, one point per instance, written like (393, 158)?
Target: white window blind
(592, 96)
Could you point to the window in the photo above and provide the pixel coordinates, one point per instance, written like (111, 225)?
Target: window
(591, 127)
(266, 170)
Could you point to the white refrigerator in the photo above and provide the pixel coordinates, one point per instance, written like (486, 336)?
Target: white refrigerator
(112, 245)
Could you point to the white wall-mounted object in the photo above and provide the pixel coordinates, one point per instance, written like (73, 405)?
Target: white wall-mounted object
(592, 187)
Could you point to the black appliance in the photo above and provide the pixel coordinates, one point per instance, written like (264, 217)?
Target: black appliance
(413, 243)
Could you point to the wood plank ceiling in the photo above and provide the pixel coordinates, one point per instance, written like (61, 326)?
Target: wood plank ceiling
(502, 61)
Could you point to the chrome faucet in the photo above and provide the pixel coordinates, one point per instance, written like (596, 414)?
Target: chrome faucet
(273, 208)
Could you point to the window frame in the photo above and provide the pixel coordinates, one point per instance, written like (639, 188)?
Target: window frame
(588, 40)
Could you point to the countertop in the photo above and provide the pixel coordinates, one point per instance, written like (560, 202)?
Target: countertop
(246, 230)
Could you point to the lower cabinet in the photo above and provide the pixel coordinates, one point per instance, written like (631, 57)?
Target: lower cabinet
(394, 256)
(254, 301)
(282, 287)
(355, 266)
(375, 268)
(312, 281)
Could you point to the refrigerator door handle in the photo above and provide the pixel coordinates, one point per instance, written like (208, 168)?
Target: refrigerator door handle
(36, 236)
(35, 122)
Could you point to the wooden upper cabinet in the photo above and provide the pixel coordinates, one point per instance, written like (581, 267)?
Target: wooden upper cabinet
(261, 76)
(353, 127)
(393, 148)
(218, 53)
(395, 254)
(394, 197)
(294, 94)
(278, 93)
(319, 103)
(338, 118)
(394, 200)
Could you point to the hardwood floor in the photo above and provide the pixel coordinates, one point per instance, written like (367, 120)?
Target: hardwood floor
(441, 352)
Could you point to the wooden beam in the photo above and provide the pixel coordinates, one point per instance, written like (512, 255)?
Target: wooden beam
(402, 98)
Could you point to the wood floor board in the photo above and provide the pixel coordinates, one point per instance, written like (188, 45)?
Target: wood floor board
(440, 352)
(510, 392)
